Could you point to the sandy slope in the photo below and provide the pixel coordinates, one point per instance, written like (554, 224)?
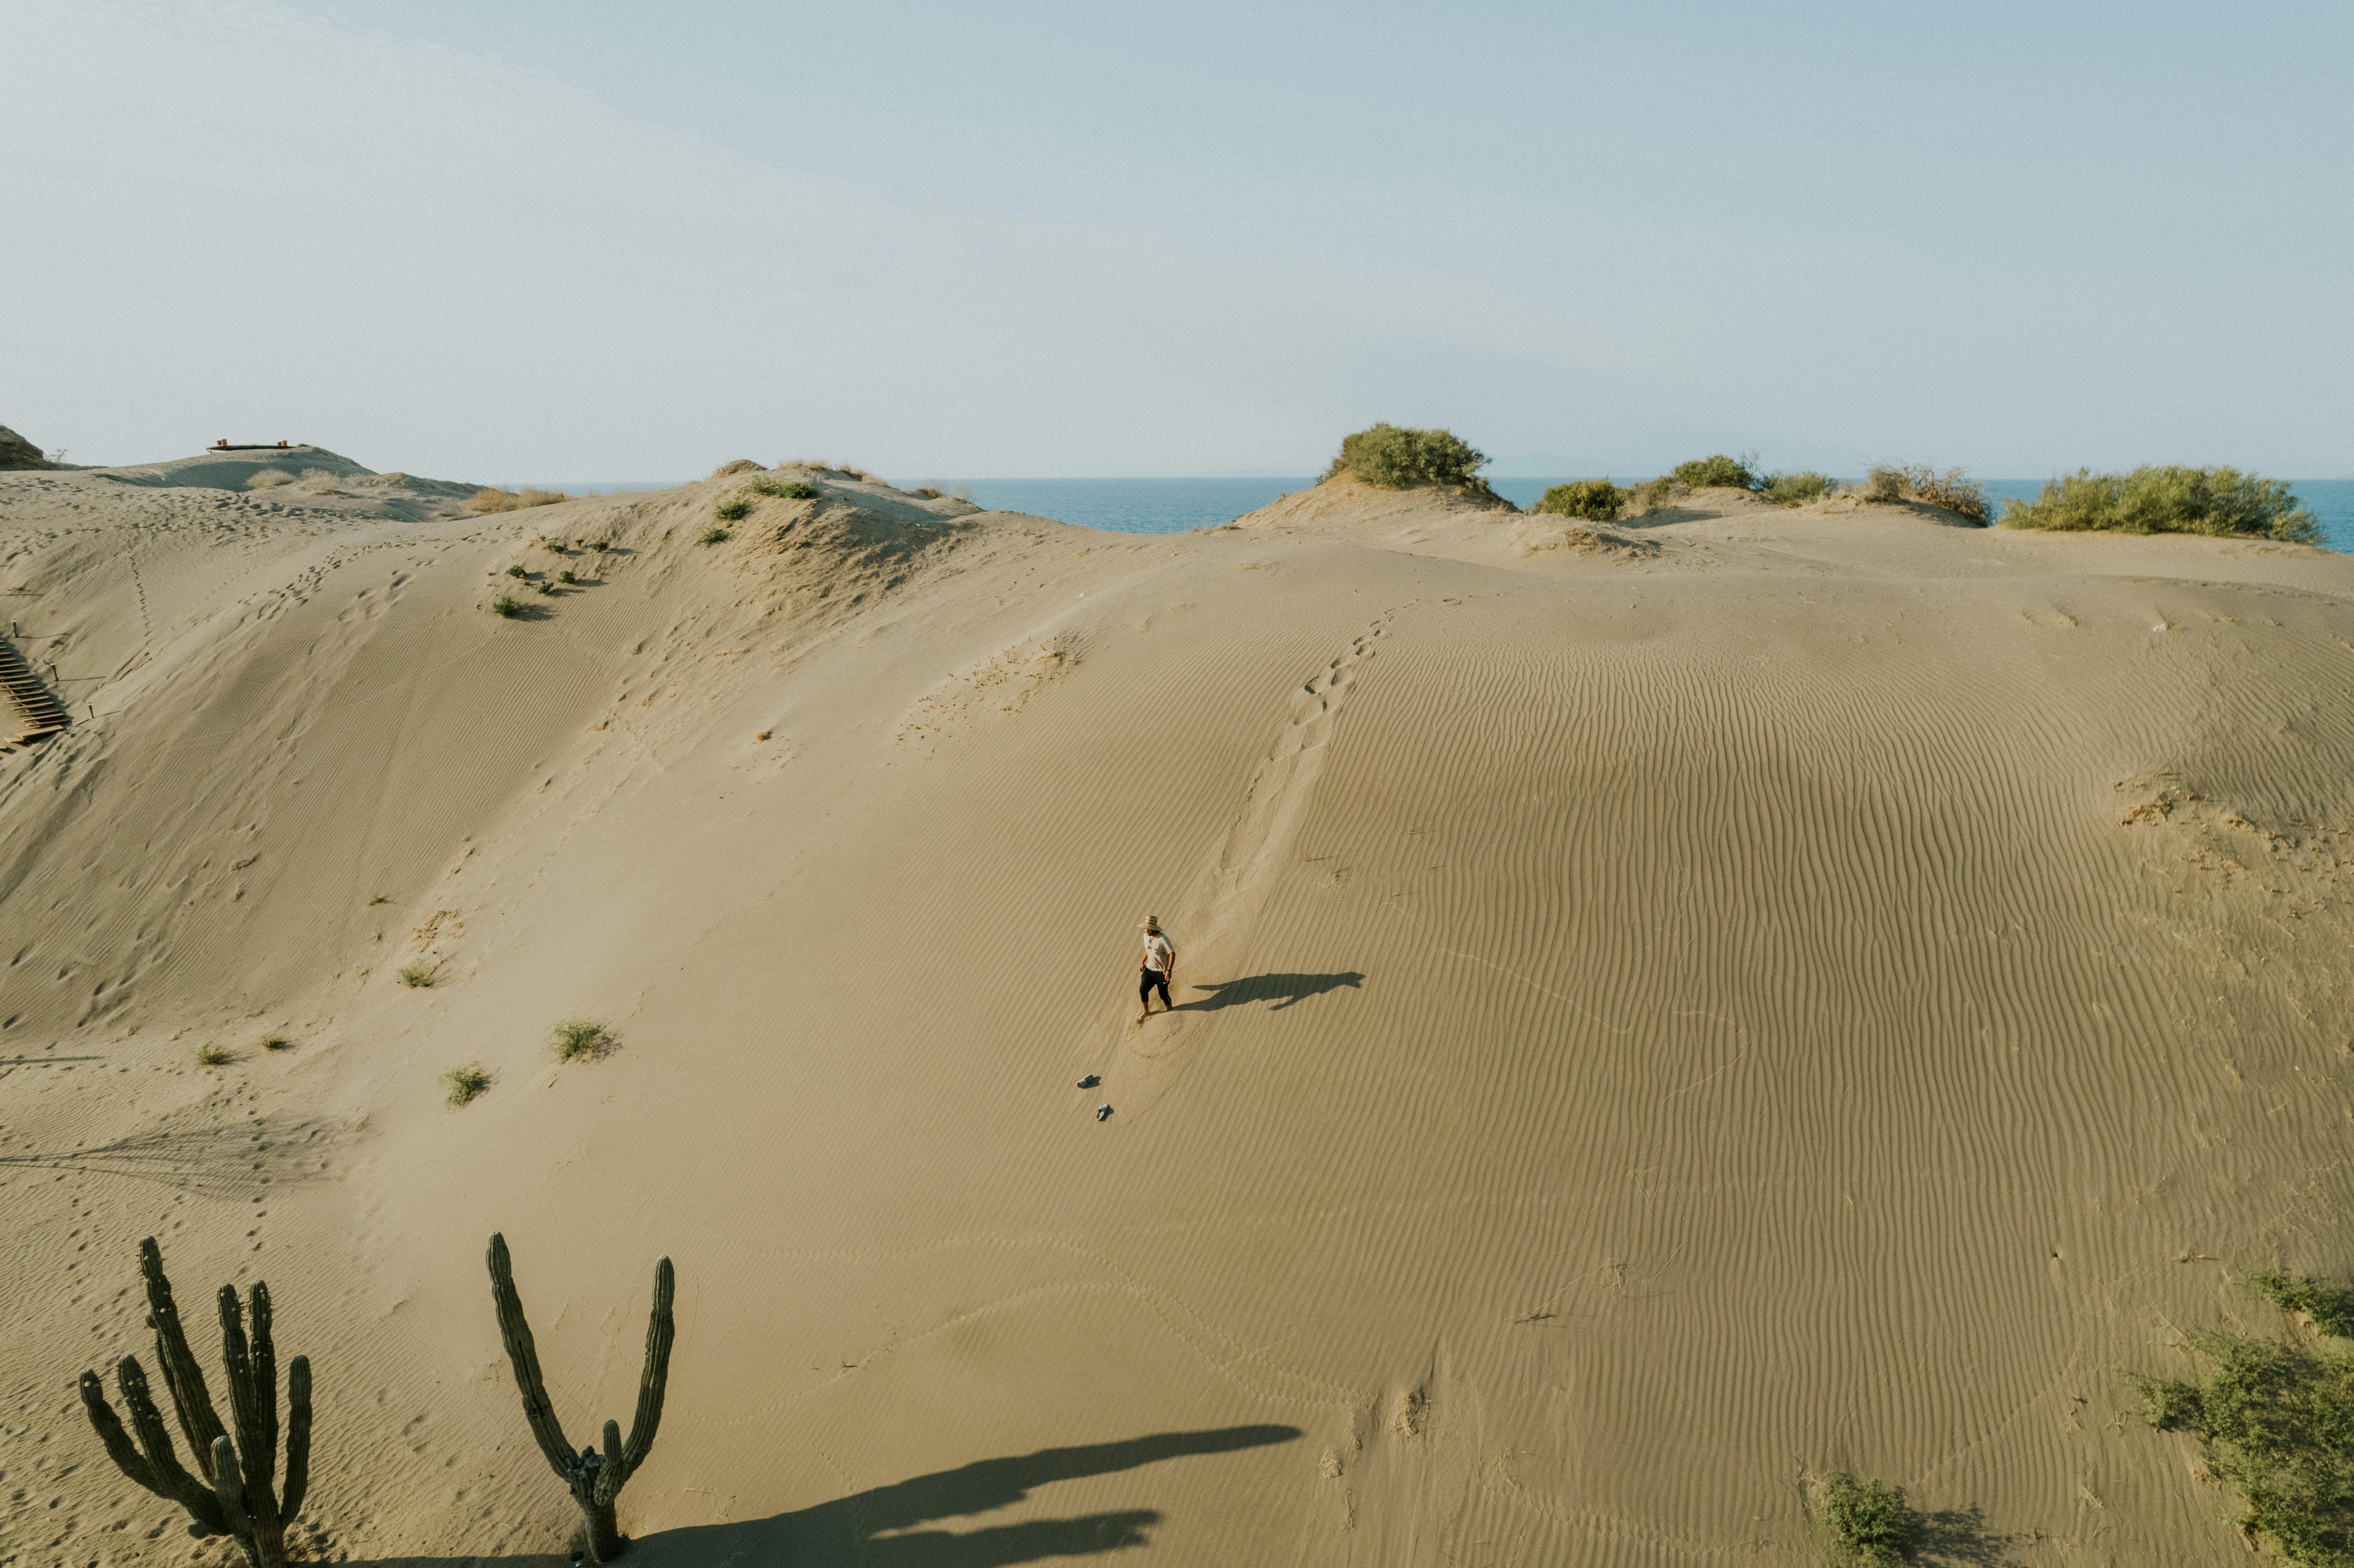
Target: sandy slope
(1754, 993)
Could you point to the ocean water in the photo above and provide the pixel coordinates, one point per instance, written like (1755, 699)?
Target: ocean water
(1174, 506)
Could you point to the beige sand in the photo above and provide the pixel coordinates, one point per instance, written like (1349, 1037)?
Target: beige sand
(1780, 991)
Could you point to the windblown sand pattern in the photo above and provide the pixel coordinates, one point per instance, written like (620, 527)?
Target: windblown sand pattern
(1799, 992)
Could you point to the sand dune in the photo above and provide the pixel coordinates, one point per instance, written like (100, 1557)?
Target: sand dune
(1663, 1015)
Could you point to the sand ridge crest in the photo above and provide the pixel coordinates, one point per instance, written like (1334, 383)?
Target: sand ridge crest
(1608, 993)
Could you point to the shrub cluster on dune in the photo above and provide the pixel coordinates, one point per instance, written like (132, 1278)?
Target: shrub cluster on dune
(1397, 457)
(1716, 472)
(1596, 500)
(2216, 501)
(1952, 488)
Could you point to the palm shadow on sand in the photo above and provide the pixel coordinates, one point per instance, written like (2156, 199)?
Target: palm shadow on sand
(875, 1529)
(1281, 990)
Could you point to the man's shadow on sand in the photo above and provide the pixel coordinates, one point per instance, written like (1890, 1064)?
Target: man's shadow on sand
(873, 1528)
(1281, 990)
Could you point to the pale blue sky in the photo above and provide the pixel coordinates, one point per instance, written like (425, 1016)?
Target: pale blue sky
(596, 240)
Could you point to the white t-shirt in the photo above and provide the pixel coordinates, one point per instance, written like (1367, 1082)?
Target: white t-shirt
(1157, 952)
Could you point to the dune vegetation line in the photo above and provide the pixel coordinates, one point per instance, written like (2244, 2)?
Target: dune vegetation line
(2215, 501)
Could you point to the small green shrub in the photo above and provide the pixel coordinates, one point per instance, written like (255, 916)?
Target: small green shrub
(1596, 500)
(1952, 489)
(786, 489)
(1718, 471)
(713, 537)
(276, 1043)
(379, 899)
(1796, 489)
(417, 977)
(506, 606)
(517, 570)
(2215, 501)
(2331, 1311)
(215, 1056)
(601, 546)
(734, 509)
(1398, 458)
(566, 576)
(466, 1084)
(543, 586)
(579, 1040)
(1871, 1523)
(555, 545)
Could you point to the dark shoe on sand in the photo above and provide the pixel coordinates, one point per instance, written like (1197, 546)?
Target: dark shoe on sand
(1103, 1113)
(1089, 1082)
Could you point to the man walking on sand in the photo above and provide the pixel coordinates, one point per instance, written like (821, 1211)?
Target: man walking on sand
(1159, 967)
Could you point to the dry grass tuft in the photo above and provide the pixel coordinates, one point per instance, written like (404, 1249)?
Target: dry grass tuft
(215, 1056)
(415, 977)
(268, 479)
(276, 1043)
(1952, 489)
(741, 465)
(579, 1040)
(466, 1084)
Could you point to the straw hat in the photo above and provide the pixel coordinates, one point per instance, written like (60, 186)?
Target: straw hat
(1152, 924)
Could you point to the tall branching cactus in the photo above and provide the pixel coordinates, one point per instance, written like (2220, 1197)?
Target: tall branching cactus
(235, 1491)
(596, 1479)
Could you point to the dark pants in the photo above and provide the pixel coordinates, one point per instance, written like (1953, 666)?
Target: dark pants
(1147, 982)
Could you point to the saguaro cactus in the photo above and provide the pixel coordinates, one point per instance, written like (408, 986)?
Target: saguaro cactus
(235, 1493)
(596, 1479)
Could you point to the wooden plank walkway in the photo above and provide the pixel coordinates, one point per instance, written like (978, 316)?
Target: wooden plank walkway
(40, 715)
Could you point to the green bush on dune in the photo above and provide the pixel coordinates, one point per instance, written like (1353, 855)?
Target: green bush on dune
(2216, 502)
(1397, 457)
(1596, 500)
(2277, 1422)
(2330, 1312)
(1796, 489)
(1871, 1521)
(1718, 471)
(784, 488)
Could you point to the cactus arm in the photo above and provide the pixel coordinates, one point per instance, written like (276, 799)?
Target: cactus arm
(265, 1368)
(654, 1383)
(229, 1490)
(189, 1491)
(298, 1438)
(182, 1376)
(119, 1447)
(612, 1472)
(258, 1462)
(515, 1330)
